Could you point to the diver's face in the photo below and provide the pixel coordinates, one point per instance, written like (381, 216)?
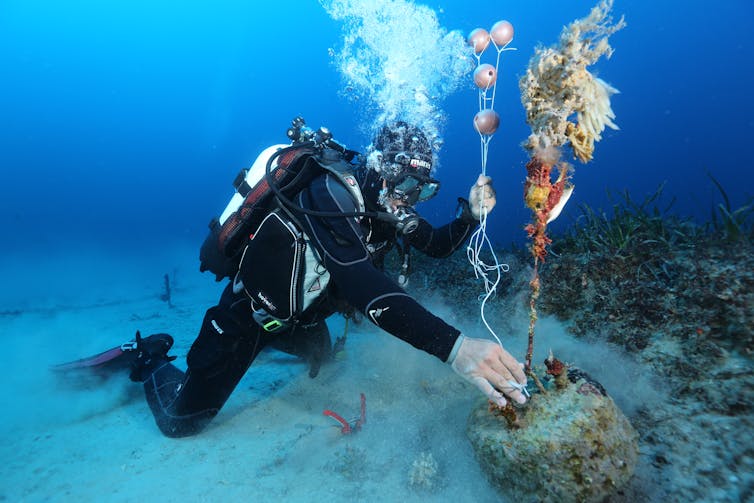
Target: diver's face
(409, 179)
(414, 188)
(388, 199)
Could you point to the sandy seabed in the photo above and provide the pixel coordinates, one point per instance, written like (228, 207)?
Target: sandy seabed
(84, 437)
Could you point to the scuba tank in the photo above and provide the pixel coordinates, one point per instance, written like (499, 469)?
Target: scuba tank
(251, 178)
(250, 204)
(277, 174)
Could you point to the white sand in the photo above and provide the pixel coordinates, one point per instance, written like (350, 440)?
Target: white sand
(88, 439)
(94, 439)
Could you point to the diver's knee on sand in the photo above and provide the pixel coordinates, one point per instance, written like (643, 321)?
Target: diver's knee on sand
(184, 404)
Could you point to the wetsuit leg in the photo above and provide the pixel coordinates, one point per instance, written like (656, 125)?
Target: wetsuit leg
(311, 342)
(229, 340)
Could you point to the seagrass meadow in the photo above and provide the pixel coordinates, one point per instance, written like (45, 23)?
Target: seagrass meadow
(671, 296)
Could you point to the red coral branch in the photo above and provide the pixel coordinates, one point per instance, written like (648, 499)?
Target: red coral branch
(541, 194)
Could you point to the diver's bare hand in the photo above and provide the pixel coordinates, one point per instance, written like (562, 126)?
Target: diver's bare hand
(490, 368)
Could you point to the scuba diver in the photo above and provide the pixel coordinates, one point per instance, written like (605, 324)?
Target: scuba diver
(346, 219)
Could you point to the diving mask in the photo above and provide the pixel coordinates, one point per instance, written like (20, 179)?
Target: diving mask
(410, 181)
(414, 188)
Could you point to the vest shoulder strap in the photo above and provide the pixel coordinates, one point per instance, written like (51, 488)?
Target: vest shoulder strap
(343, 172)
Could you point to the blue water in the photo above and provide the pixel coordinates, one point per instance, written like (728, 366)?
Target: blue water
(125, 123)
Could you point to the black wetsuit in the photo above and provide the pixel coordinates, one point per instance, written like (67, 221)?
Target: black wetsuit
(229, 339)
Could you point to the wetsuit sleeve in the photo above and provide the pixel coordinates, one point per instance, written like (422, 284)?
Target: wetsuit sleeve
(339, 241)
(442, 241)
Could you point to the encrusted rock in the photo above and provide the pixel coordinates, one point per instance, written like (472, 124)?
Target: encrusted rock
(571, 444)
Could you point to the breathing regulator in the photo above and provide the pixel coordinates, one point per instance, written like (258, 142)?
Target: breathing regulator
(300, 133)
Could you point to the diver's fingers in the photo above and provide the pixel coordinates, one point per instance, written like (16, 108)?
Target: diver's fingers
(489, 391)
(503, 381)
(504, 373)
(507, 387)
(488, 366)
(507, 366)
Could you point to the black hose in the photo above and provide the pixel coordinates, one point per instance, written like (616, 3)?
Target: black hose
(379, 215)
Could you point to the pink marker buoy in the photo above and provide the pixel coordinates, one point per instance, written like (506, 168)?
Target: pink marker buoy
(485, 76)
(479, 39)
(486, 122)
(502, 33)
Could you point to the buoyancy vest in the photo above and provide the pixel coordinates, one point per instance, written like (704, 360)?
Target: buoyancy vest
(258, 241)
(221, 251)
